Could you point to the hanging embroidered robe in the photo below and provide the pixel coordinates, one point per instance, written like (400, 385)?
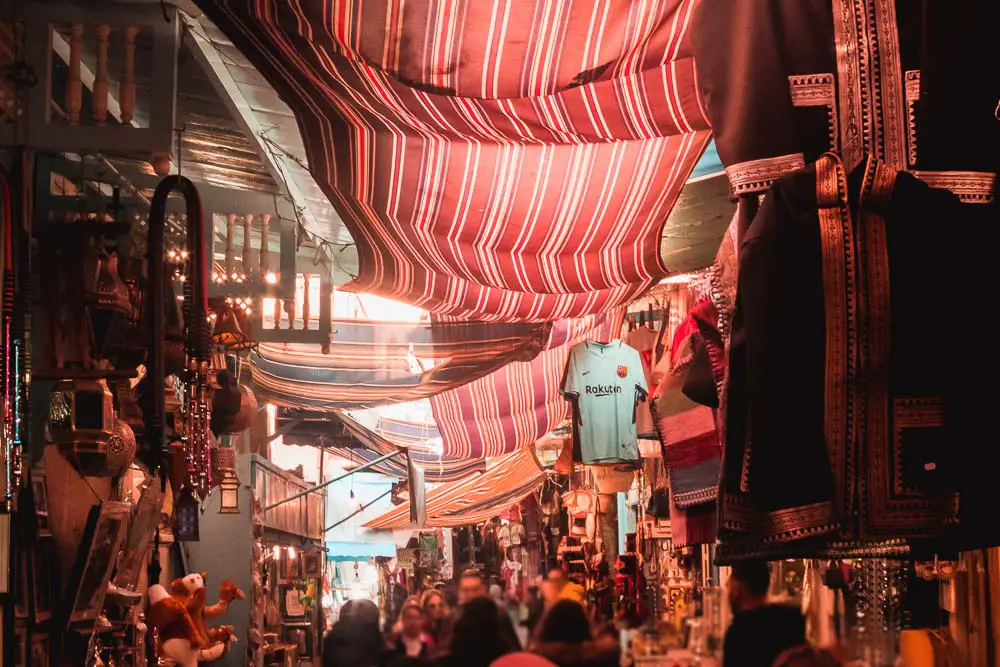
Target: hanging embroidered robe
(868, 460)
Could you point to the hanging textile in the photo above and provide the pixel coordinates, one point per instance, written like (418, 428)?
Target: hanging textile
(436, 468)
(492, 159)
(507, 480)
(376, 363)
(518, 404)
(858, 405)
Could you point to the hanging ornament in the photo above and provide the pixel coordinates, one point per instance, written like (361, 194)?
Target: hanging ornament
(121, 449)
(186, 517)
(81, 421)
(233, 406)
(228, 332)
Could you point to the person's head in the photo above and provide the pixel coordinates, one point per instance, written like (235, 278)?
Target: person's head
(550, 593)
(471, 585)
(565, 622)
(435, 606)
(411, 618)
(359, 612)
(355, 639)
(557, 577)
(748, 584)
(807, 656)
(477, 641)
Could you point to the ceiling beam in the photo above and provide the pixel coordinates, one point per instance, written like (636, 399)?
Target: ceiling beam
(207, 53)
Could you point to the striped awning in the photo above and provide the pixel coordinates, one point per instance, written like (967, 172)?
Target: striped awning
(507, 480)
(508, 160)
(437, 468)
(513, 407)
(374, 363)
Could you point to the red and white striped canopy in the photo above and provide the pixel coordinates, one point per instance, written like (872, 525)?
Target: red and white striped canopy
(493, 159)
(506, 480)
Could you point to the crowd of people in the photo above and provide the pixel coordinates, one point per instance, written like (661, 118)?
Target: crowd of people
(480, 630)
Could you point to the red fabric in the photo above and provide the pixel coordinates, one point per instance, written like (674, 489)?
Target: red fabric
(493, 159)
(518, 404)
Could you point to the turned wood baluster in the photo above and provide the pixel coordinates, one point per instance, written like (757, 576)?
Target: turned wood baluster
(74, 86)
(325, 305)
(127, 95)
(265, 251)
(247, 247)
(230, 247)
(101, 76)
(305, 301)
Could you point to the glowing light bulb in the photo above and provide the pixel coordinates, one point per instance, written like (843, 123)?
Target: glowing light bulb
(271, 278)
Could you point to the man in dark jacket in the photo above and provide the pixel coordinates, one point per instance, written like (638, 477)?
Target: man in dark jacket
(472, 585)
(760, 632)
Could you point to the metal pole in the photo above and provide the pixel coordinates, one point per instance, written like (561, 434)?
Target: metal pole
(361, 508)
(337, 479)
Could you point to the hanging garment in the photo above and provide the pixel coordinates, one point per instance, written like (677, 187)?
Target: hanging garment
(605, 382)
(898, 82)
(643, 339)
(835, 426)
(692, 453)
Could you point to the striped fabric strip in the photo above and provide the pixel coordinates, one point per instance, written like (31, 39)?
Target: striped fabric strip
(510, 160)
(518, 404)
(506, 480)
(437, 468)
(377, 363)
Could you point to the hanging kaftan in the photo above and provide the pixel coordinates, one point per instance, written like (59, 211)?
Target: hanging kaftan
(853, 425)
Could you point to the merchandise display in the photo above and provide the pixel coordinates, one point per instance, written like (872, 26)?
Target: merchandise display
(605, 382)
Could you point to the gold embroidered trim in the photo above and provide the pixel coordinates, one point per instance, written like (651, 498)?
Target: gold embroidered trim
(971, 187)
(839, 294)
(912, 95)
(817, 90)
(874, 338)
(889, 105)
(913, 413)
(852, 76)
(756, 176)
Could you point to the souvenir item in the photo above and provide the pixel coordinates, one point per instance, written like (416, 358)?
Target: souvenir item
(96, 558)
(605, 382)
(81, 421)
(179, 615)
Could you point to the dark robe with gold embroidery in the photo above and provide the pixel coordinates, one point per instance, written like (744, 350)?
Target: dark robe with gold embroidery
(853, 425)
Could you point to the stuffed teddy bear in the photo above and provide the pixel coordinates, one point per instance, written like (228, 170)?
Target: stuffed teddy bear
(180, 614)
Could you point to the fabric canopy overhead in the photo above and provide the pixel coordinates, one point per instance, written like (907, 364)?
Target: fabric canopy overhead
(437, 468)
(374, 363)
(513, 407)
(506, 481)
(493, 159)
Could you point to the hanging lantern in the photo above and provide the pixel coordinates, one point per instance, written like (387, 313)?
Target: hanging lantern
(233, 406)
(230, 493)
(107, 297)
(121, 449)
(227, 331)
(81, 421)
(186, 517)
(224, 470)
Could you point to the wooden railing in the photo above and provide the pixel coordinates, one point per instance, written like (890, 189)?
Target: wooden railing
(81, 68)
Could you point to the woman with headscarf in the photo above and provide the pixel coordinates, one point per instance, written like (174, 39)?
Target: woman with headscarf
(355, 639)
(565, 638)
